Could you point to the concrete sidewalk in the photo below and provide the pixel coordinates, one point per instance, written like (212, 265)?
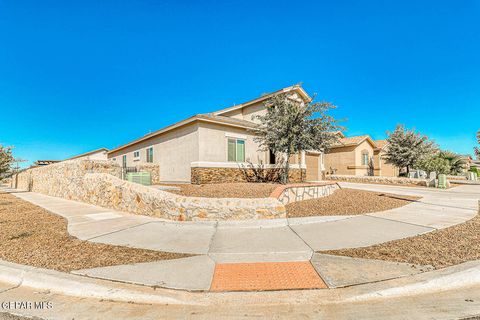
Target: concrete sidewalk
(279, 240)
(450, 293)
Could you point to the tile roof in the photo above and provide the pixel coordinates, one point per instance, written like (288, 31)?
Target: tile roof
(381, 143)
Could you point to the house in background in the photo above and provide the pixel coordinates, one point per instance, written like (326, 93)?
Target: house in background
(212, 147)
(358, 156)
(98, 154)
(350, 156)
(40, 163)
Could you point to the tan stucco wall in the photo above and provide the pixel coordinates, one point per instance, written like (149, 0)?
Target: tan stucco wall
(173, 151)
(247, 113)
(387, 170)
(340, 159)
(101, 155)
(348, 160)
(360, 169)
(384, 169)
(213, 143)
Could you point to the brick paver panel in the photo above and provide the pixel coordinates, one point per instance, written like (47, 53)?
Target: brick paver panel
(265, 276)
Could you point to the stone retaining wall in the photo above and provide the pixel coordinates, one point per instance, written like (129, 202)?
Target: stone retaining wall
(378, 180)
(98, 183)
(201, 175)
(288, 194)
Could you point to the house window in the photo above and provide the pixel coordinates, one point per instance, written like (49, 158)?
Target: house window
(236, 150)
(136, 154)
(271, 156)
(365, 158)
(124, 161)
(150, 154)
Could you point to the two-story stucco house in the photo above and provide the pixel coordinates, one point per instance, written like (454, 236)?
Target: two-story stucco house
(212, 147)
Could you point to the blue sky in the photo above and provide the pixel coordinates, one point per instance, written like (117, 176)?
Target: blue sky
(76, 76)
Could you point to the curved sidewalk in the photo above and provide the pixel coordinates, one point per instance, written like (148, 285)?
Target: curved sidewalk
(258, 241)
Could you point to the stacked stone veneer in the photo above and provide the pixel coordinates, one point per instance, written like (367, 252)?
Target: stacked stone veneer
(98, 183)
(289, 194)
(223, 175)
(379, 180)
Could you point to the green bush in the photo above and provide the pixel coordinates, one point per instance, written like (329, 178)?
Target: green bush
(475, 169)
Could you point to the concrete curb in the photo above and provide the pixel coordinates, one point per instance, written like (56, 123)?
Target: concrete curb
(73, 285)
(461, 276)
(455, 277)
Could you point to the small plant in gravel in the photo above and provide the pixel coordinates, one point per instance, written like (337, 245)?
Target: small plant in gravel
(260, 173)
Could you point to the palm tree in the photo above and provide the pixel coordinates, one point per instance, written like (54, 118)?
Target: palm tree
(458, 164)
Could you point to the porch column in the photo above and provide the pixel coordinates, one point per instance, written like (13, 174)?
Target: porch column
(302, 159)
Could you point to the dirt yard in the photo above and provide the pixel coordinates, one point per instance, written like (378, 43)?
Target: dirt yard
(33, 236)
(348, 202)
(226, 190)
(441, 248)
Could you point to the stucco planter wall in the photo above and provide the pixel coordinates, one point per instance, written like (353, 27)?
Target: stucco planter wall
(377, 179)
(98, 183)
(293, 193)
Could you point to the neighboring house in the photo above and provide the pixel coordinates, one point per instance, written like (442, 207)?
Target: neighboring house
(382, 168)
(358, 156)
(212, 147)
(98, 154)
(40, 163)
(351, 156)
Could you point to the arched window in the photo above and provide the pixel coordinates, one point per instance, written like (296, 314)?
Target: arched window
(365, 158)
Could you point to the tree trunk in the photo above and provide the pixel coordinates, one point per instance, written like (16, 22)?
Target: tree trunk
(408, 170)
(287, 169)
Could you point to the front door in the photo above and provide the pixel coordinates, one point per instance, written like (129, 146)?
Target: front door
(313, 169)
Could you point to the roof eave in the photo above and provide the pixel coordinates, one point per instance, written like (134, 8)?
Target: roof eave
(177, 125)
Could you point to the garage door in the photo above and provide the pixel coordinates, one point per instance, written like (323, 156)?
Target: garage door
(311, 160)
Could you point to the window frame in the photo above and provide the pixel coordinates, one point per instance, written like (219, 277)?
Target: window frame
(149, 154)
(236, 140)
(367, 154)
(124, 161)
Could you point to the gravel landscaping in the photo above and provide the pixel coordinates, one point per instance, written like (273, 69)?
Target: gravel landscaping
(33, 236)
(226, 190)
(348, 202)
(440, 248)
